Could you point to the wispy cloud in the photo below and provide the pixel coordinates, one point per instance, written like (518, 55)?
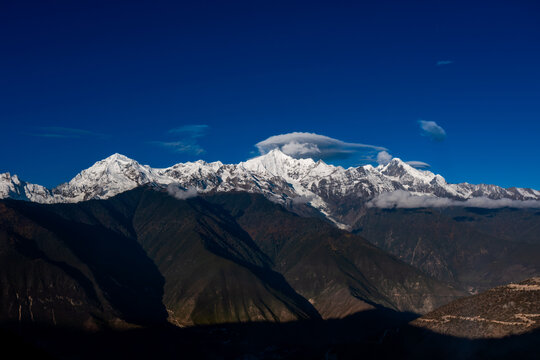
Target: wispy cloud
(432, 130)
(186, 139)
(186, 146)
(310, 145)
(193, 131)
(60, 132)
(54, 136)
(444, 62)
(403, 199)
(418, 164)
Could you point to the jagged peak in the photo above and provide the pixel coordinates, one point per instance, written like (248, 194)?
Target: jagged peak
(194, 164)
(11, 178)
(117, 157)
(407, 167)
(397, 161)
(276, 162)
(116, 166)
(276, 153)
(397, 168)
(114, 163)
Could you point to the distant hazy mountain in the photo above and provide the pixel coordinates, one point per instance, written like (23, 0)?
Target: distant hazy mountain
(340, 194)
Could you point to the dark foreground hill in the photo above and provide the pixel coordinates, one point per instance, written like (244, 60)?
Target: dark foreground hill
(371, 334)
(144, 258)
(144, 275)
(512, 309)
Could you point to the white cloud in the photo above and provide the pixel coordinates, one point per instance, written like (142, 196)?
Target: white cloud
(418, 164)
(403, 199)
(383, 158)
(432, 129)
(482, 202)
(180, 194)
(300, 150)
(303, 145)
(302, 199)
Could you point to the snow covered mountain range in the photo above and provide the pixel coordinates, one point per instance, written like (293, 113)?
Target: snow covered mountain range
(338, 193)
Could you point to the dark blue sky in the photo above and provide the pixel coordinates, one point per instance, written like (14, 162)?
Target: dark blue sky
(82, 80)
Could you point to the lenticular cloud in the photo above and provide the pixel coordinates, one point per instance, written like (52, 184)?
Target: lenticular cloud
(418, 164)
(304, 145)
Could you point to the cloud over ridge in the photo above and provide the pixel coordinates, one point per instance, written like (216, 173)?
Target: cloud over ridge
(383, 157)
(304, 145)
(405, 200)
(418, 164)
(176, 191)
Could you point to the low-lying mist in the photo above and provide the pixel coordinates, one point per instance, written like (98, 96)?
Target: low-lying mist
(403, 199)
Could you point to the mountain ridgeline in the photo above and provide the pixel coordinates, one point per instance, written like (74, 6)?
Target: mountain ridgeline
(339, 194)
(472, 236)
(259, 265)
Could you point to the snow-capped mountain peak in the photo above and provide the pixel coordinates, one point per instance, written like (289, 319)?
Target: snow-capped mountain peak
(12, 187)
(278, 164)
(108, 177)
(332, 190)
(403, 172)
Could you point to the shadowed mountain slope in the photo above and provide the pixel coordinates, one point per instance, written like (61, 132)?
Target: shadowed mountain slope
(340, 273)
(474, 248)
(214, 271)
(208, 270)
(225, 258)
(70, 273)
